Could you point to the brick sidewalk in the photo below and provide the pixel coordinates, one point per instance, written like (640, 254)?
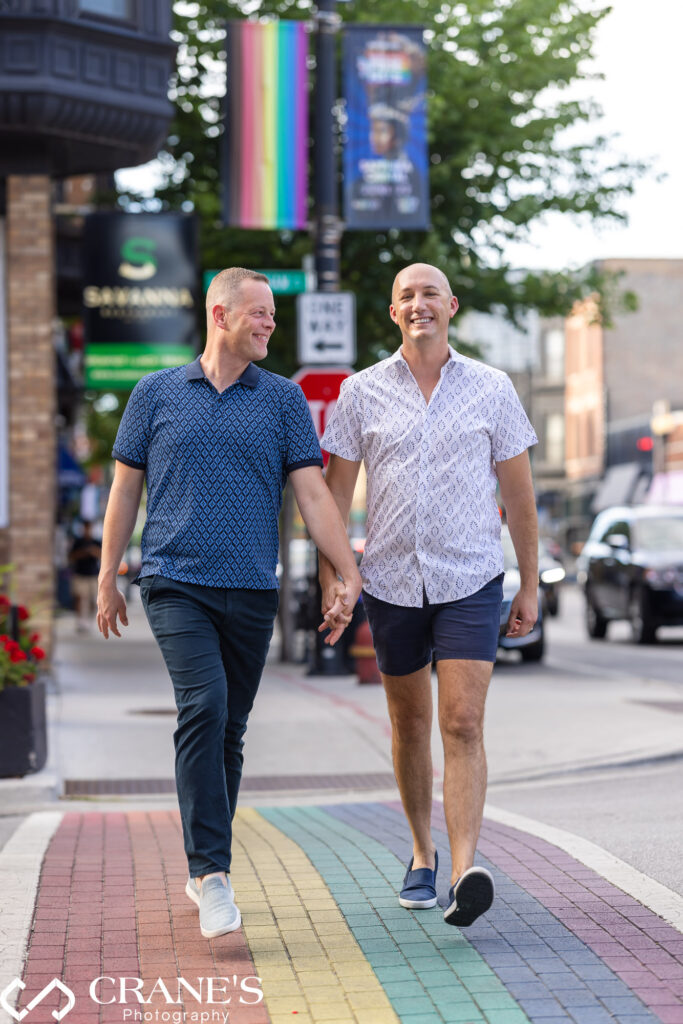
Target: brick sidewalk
(323, 931)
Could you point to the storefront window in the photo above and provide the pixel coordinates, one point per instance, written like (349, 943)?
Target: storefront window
(121, 10)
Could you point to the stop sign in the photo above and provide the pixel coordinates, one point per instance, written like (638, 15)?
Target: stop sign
(320, 385)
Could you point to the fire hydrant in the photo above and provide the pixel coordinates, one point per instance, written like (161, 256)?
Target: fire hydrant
(364, 654)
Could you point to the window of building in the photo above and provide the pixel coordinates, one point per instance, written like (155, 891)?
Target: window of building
(554, 439)
(120, 10)
(554, 354)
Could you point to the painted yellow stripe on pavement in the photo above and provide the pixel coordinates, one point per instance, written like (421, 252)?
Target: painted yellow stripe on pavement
(303, 950)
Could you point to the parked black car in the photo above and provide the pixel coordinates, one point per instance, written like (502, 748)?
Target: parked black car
(631, 567)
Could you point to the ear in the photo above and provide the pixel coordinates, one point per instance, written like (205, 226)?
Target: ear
(219, 315)
(392, 313)
(455, 305)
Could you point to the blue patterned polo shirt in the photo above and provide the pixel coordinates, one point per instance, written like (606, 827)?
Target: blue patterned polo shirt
(215, 466)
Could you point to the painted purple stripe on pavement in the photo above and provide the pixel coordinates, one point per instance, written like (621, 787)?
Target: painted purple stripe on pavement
(548, 969)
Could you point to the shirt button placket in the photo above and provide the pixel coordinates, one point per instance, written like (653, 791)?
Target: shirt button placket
(422, 491)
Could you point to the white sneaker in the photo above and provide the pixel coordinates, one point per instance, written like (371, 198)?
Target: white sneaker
(218, 914)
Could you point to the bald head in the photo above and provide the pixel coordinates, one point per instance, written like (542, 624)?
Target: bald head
(422, 305)
(418, 272)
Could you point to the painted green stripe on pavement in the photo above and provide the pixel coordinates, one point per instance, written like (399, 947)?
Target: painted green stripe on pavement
(429, 972)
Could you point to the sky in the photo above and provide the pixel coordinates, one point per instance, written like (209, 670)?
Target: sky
(638, 50)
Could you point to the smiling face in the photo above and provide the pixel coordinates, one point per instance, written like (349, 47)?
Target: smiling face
(422, 304)
(248, 320)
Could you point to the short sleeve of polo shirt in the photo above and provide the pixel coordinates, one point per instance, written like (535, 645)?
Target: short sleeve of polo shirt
(302, 447)
(512, 433)
(132, 437)
(343, 434)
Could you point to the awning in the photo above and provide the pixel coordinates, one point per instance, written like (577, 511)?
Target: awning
(69, 473)
(620, 486)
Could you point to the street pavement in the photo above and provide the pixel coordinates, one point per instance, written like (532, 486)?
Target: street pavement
(93, 877)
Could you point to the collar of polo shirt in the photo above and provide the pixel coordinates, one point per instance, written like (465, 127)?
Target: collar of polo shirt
(194, 371)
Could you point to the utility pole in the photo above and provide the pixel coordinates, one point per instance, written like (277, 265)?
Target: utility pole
(326, 224)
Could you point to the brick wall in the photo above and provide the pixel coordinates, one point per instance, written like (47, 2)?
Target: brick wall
(584, 393)
(30, 313)
(643, 351)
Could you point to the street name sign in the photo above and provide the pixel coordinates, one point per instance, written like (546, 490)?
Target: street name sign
(282, 282)
(326, 327)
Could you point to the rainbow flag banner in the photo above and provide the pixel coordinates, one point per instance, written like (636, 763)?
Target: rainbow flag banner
(266, 142)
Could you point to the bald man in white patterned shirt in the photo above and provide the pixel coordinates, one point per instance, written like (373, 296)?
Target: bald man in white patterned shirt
(437, 431)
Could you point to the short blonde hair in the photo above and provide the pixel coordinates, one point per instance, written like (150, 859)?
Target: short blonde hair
(225, 285)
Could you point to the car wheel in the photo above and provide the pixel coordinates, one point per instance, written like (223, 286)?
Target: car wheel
(643, 629)
(553, 604)
(596, 624)
(534, 652)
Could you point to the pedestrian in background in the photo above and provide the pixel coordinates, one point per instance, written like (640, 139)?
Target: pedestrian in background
(215, 441)
(437, 432)
(84, 559)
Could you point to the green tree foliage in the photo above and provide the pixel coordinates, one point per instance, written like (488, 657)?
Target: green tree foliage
(498, 73)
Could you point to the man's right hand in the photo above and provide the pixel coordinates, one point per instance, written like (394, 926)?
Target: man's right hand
(110, 603)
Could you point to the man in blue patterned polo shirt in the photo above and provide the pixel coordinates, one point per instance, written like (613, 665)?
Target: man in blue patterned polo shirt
(216, 441)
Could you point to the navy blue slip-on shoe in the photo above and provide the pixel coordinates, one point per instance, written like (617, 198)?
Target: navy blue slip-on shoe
(470, 897)
(419, 887)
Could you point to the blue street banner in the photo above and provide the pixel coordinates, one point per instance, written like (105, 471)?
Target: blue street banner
(386, 178)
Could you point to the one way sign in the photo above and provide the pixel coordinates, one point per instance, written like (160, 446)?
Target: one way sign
(326, 328)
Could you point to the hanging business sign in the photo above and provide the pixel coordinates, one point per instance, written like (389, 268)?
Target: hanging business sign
(386, 179)
(141, 295)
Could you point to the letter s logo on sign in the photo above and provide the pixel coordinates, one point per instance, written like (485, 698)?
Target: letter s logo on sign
(139, 262)
(18, 984)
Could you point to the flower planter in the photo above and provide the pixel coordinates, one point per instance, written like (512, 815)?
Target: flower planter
(23, 731)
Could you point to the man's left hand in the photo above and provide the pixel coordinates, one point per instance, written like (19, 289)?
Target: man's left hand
(523, 613)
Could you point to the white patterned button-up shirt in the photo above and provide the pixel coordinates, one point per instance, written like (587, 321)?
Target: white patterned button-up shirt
(433, 520)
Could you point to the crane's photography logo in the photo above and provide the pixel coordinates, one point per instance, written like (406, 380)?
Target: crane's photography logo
(136, 996)
(18, 985)
(139, 261)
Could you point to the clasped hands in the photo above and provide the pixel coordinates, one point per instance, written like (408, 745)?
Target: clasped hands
(339, 600)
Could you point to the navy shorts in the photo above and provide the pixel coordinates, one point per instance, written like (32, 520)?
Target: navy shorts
(406, 639)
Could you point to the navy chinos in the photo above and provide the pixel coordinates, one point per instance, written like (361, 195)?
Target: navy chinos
(214, 641)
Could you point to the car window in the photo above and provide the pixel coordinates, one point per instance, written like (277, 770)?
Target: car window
(659, 533)
(621, 526)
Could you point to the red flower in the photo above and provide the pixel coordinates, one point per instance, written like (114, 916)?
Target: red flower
(38, 653)
(17, 655)
(3, 639)
(22, 612)
(4, 601)
(34, 638)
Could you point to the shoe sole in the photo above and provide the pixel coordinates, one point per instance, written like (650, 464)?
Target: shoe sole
(221, 931)
(417, 904)
(473, 898)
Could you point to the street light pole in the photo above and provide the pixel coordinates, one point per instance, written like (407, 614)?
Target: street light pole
(326, 223)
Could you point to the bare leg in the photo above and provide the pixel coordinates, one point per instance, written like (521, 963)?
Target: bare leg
(462, 695)
(409, 699)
